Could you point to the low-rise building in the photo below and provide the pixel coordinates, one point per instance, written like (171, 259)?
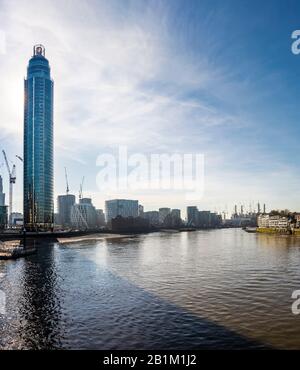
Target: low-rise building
(129, 224)
(263, 221)
(297, 220)
(273, 221)
(283, 222)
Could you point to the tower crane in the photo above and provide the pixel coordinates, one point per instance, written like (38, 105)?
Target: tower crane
(21, 159)
(67, 183)
(12, 180)
(80, 189)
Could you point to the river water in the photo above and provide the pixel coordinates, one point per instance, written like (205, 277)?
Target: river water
(191, 290)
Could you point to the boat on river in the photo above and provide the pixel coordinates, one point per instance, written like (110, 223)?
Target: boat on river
(14, 249)
(250, 229)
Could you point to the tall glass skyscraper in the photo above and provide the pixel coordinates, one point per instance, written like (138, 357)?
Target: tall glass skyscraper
(38, 143)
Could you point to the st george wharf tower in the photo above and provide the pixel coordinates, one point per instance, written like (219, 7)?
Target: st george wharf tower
(38, 143)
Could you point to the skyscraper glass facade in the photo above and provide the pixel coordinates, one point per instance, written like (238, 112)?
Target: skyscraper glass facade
(38, 143)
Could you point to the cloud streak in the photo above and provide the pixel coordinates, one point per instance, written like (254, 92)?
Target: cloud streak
(122, 78)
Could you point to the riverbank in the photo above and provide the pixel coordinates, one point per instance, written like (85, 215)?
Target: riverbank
(55, 236)
(269, 230)
(50, 236)
(92, 238)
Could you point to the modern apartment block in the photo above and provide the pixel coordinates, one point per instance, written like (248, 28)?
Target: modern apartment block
(84, 215)
(64, 206)
(163, 213)
(2, 195)
(38, 143)
(121, 207)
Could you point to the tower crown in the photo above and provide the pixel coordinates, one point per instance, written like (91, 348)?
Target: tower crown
(38, 65)
(39, 50)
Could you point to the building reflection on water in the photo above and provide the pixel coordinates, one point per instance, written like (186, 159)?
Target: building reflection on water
(34, 302)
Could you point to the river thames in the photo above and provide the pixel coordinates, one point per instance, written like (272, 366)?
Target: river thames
(191, 290)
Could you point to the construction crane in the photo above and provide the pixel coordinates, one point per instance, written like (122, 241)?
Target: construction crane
(12, 180)
(21, 159)
(80, 189)
(67, 183)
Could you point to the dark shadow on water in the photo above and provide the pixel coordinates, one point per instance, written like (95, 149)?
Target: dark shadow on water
(74, 303)
(149, 322)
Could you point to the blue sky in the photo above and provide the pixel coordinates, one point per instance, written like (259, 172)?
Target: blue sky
(210, 77)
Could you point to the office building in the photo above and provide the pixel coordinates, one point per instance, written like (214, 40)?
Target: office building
(175, 218)
(2, 195)
(17, 219)
(152, 217)
(141, 210)
(163, 213)
(204, 219)
(38, 143)
(84, 215)
(176, 214)
(100, 218)
(64, 206)
(121, 207)
(192, 216)
(3, 217)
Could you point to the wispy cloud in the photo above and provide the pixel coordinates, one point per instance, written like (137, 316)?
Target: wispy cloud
(121, 77)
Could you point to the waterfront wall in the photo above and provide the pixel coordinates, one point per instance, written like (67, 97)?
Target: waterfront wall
(282, 231)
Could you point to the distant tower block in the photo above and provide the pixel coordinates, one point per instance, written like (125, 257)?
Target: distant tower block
(2, 195)
(264, 208)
